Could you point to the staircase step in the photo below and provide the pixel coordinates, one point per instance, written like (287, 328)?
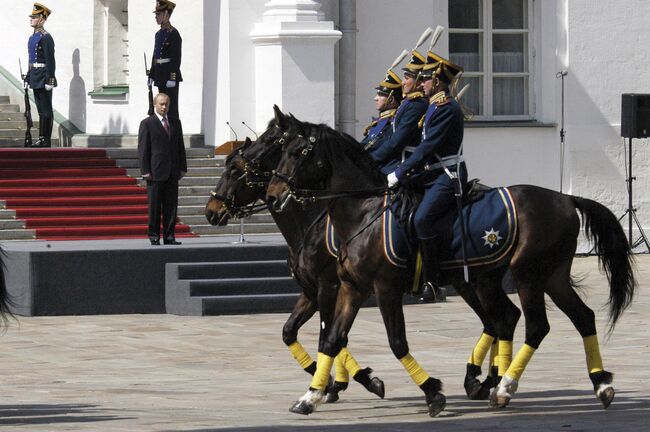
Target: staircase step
(17, 234)
(16, 133)
(4, 100)
(6, 173)
(236, 305)
(16, 124)
(234, 229)
(7, 108)
(56, 163)
(77, 201)
(233, 269)
(12, 224)
(193, 172)
(71, 221)
(16, 116)
(51, 153)
(243, 286)
(26, 192)
(68, 182)
(100, 230)
(199, 219)
(88, 211)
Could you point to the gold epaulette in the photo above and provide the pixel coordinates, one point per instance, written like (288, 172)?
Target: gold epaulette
(421, 122)
(439, 98)
(387, 113)
(415, 95)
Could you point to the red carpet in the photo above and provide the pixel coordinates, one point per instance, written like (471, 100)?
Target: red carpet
(74, 194)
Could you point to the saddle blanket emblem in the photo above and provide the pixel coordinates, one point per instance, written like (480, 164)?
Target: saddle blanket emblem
(490, 227)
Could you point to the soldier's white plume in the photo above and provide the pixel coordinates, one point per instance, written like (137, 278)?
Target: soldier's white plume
(436, 36)
(399, 59)
(423, 38)
(462, 91)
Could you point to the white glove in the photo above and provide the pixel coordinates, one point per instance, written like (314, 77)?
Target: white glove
(392, 180)
(171, 84)
(149, 82)
(48, 87)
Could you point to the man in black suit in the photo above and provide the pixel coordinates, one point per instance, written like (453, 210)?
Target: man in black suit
(162, 164)
(165, 70)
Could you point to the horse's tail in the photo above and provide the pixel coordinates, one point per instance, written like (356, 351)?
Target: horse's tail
(614, 254)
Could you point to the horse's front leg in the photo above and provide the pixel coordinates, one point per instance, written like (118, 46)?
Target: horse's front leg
(389, 300)
(302, 312)
(335, 326)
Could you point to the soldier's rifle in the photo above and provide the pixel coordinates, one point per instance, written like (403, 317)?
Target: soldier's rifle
(28, 108)
(146, 71)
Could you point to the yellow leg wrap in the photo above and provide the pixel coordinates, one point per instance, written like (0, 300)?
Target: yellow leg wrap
(339, 365)
(322, 375)
(520, 362)
(592, 353)
(505, 356)
(302, 357)
(350, 363)
(418, 375)
(480, 350)
(494, 353)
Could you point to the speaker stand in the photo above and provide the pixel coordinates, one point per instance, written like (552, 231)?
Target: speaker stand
(631, 210)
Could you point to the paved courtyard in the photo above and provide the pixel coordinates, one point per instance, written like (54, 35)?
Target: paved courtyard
(233, 373)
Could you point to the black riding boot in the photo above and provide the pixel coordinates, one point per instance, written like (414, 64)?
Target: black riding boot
(42, 127)
(430, 270)
(47, 133)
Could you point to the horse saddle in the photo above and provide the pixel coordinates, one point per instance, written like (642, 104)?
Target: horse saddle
(489, 218)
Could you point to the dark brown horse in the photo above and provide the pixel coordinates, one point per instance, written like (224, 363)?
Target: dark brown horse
(323, 161)
(244, 182)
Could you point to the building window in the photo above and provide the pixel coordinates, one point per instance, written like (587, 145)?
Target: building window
(111, 43)
(491, 40)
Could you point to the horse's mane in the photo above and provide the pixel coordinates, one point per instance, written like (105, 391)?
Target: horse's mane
(335, 143)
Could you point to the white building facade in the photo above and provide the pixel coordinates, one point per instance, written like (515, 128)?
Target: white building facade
(321, 60)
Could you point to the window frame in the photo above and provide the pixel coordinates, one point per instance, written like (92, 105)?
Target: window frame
(487, 76)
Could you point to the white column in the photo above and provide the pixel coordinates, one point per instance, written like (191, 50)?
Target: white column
(294, 62)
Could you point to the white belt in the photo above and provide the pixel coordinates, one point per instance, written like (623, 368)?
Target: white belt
(445, 162)
(163, 61)
(37, 65)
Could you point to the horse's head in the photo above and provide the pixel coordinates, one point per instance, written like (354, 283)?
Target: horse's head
(302, 166)
(248, 171)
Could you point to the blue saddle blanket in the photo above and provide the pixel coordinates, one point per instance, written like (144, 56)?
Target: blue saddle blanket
(490, 227)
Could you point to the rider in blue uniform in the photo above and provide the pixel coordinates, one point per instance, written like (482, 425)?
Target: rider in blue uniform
(387, 99)
(165, 70)
(40, 74)
(437, 163)
(404, 125)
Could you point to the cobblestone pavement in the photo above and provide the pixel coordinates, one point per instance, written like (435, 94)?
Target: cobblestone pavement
(233, 373)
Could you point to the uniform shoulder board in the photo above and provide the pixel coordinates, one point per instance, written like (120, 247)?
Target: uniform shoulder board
(365, 132)
(443, 102)
(421, 122)
(415, 95)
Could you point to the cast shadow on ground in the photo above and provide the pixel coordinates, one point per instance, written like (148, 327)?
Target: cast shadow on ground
(568, 410)
(40, 414)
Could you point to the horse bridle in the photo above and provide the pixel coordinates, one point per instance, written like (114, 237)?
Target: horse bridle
(253, 177)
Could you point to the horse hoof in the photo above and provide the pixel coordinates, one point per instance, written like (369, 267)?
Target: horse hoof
(377, 387)
(502, 401)
(436, 404)
(333, 391)
(480, 393)
(606, 396)
(332, 397)
(302, 407)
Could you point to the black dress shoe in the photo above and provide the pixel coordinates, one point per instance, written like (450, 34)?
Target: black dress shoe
(155, 242)
(172, 242)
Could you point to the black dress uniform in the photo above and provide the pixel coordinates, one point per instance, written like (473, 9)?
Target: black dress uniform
(41, 75)
(405, 122)
(380, 130)
(166, 62)
(437, 163)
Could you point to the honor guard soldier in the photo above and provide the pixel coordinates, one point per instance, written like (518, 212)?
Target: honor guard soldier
(165, 70)
(40, 74)
(437, 163)
(404, 124)
(387, 100)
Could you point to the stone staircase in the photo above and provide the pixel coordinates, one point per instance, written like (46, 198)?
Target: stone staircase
(246, 280)
(12, 125)
(203, 172)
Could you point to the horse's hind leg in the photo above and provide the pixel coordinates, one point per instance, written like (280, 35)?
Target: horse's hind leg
(474, 389)
(564, 296)
(531, 294)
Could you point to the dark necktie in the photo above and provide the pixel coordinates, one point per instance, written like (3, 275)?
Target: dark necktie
(166, 125)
